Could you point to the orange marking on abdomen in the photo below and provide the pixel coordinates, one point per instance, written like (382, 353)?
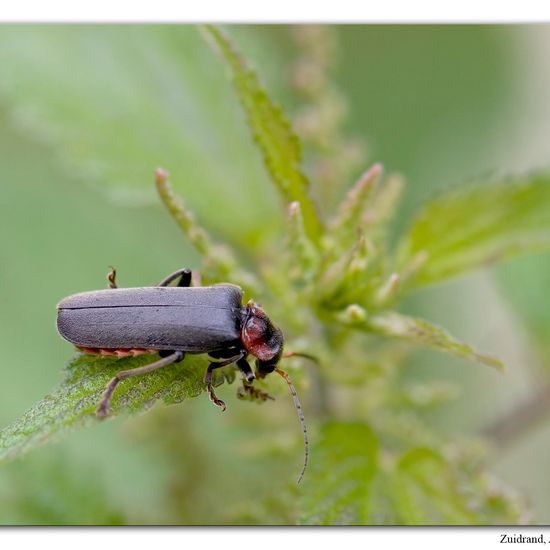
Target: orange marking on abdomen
(120, 352)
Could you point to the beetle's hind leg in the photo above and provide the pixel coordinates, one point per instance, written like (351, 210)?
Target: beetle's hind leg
(184, 276)
(103, 407)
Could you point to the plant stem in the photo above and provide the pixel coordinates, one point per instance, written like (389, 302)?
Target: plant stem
(521, 419)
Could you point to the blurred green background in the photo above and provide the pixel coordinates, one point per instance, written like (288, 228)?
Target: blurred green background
(88, 112)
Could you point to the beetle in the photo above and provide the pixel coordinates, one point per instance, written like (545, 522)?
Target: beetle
(174, 321)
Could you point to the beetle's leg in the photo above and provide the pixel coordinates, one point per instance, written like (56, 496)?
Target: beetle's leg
(167, 353)
(185, 279)
(253, 394)
(248, 391)
(244, 367)
(289, 354)
(247, 388)
(208, 377)
(106, 399)
(111, 277)
(210, 388)
(183, 274)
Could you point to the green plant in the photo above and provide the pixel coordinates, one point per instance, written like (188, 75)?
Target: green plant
(335, 285)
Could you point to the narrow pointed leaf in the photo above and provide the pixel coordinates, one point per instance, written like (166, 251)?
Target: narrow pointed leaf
(419, 331)
(354, 205)
(271, 130)
(219, 261)
(382, 207)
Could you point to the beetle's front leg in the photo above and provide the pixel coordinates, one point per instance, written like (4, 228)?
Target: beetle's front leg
(244, 367)
(247, 389)
(208, 377)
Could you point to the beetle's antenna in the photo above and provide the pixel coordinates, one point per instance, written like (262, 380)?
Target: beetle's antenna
(300, 354)
(286, 378)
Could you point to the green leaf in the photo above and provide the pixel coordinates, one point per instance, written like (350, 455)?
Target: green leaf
(428, 488)
(427, 493)
(419, 331)
(336, 489)
(51, 489)
(383, 207)
(74, 402)
(272, 132)
(476, 225)
(353, 481)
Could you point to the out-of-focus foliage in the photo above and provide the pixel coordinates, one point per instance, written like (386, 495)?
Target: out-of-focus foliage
(335, 285)
(359, 484)
(419, 331)
(117, 104)
(478, 225)
(338, 492)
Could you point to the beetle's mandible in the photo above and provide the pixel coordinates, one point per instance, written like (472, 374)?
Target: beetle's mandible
(173, 321)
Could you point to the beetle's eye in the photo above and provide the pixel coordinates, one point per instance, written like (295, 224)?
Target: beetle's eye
(266, 367)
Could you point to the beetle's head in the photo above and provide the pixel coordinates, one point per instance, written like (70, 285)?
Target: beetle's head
(261, 338)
